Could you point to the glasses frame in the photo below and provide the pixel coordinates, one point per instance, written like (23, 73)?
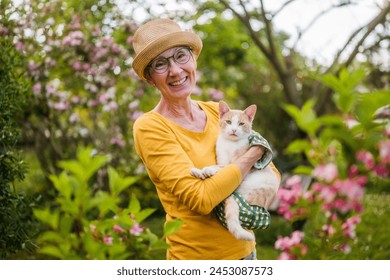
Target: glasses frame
(150, 68)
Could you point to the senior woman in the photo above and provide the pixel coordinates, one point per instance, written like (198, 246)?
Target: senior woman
(179, 134)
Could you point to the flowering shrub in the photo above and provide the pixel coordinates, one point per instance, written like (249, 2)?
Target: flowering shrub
(347, 154)
(83, 88)
(88, 223)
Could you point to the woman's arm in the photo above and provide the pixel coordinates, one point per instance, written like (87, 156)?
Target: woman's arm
(169, 166)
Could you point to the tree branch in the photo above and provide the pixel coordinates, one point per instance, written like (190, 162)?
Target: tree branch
(380, 18)
(316, 18)
(282, 8)
(246, 21)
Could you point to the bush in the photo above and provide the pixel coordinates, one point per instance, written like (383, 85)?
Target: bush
(15, 218)
(85, 222)
(348, 154)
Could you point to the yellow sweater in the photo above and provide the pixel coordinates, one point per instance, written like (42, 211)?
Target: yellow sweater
(169, 151)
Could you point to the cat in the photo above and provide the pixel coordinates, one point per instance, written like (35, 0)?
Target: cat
(259, 187)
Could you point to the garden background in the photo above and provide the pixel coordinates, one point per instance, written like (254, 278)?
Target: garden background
(71, 185)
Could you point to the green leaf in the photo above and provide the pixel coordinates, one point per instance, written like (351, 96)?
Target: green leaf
(172, 227)
(62, 184)
(118, 184)
(51, 237)
(48, 217)
(86, 164)
(298, 146)
(134, 205)
(104, 202)
(52, 251)
(302, 169)
(306, 118)
(154, 242)
(344, 97)
(142, 215)
(369, 104)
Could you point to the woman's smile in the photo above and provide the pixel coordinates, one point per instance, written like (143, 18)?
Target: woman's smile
(179, 82)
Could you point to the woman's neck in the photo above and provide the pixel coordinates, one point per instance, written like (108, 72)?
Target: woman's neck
(186, 113)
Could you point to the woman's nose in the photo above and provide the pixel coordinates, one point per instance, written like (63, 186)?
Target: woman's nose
(173, 67)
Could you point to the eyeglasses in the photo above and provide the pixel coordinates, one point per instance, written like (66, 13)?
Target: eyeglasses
(160, 65)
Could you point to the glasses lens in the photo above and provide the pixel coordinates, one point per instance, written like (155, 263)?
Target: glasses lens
(181, 56)
(160, 65)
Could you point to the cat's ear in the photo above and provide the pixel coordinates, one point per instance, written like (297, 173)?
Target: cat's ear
(251, 112)
(223, 108)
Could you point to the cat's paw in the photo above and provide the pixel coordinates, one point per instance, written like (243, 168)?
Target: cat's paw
(211, 170)
(245, 235)
(197, 173)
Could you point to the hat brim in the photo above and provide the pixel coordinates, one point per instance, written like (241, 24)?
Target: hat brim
(182, 38)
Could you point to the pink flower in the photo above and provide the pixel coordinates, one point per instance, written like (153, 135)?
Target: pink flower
(353, 171)
(381, 170)
(108, 240)
(293, 181)
(118, 228)
(329, 229)
(61, 106)
(285, 243)
(216, 94)
(367, 158)
(327, 172)
(328, 194)
(346, 248)
(76, 65)
(37, 88)
(350, 188)
(19, 45)
(286, 256)
(74, 118)
(136, 230)
(350, 225)
(384, 151)
(118, 142)
(134, 105)
(111, 106)
(135, 115)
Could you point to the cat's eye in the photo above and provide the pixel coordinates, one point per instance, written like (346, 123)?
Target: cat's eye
(241, 123)
(228, 122)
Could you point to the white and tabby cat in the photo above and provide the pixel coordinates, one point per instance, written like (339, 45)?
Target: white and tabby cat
(259, 186)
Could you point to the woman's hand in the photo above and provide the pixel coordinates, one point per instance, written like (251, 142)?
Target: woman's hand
(246, 161)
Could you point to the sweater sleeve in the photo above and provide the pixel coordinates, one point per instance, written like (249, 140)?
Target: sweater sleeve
(169, 168)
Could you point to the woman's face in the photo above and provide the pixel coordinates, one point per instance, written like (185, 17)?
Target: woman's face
(179, 79)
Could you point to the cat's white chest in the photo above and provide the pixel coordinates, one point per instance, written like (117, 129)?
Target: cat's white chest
(226, 149)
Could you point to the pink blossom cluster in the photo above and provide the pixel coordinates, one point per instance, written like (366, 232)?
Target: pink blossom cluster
(367, 159)
(336, 194)
(216, 94)
(120, 232)
(288, 196)
(291, 246)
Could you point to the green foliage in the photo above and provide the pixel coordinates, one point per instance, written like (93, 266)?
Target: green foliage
(88, 223)
(354, 129)
(16, 225)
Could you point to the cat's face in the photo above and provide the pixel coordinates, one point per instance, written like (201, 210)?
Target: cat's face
(236, 124)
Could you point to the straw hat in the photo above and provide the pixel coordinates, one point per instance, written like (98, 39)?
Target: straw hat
(155, 37)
